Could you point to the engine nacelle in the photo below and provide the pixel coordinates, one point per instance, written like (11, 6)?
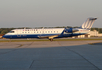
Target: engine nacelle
(69, 30)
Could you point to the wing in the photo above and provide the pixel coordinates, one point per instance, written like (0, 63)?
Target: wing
(49, 37)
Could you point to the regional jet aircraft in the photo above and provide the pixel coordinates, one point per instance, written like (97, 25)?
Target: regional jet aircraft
(51, 33)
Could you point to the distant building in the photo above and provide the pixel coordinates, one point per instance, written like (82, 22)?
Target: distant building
(100, 35)
(94, 33)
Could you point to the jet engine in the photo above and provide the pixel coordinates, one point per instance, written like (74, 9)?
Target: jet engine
(70, 30)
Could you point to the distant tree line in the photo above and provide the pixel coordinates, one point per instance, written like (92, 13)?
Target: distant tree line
(6, 30)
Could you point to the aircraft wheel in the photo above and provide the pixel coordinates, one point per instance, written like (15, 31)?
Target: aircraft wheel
(51, 39)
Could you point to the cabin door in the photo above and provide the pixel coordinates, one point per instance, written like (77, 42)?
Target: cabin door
(18, 33)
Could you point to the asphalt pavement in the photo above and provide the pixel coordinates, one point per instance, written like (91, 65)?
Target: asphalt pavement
(46, 55)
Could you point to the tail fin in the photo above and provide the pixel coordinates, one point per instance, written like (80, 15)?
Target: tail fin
(88, 23)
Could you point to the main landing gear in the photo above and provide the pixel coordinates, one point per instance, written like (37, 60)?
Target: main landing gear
(51, 40)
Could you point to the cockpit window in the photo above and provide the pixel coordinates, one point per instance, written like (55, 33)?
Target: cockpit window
(11, 32)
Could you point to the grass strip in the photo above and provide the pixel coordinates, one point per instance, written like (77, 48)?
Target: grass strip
(12, 40)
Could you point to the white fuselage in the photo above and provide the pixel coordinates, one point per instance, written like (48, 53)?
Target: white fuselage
(46, 33)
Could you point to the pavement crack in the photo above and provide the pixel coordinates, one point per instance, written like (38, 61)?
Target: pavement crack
(31, 64)
(7, 52)
(29, 44)
(79, 55)
(82, 57)
(19, 46)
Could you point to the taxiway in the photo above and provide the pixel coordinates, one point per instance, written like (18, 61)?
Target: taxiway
(46, 55)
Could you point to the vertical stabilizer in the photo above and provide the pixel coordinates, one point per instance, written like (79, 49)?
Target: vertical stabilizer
(88, 23)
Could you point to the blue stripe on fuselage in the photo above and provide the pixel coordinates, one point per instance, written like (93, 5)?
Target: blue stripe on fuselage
(38, 35)
(27, 36)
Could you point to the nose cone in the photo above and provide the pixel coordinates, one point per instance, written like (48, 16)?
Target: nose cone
(6, 36)
(3, 36)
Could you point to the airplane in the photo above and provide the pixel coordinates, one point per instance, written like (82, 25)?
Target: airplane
(51, 33)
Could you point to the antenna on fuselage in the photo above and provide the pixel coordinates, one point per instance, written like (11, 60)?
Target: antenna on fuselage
(42, 27)
(24, 27)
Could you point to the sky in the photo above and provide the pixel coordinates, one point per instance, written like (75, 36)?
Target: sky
(49, 13)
